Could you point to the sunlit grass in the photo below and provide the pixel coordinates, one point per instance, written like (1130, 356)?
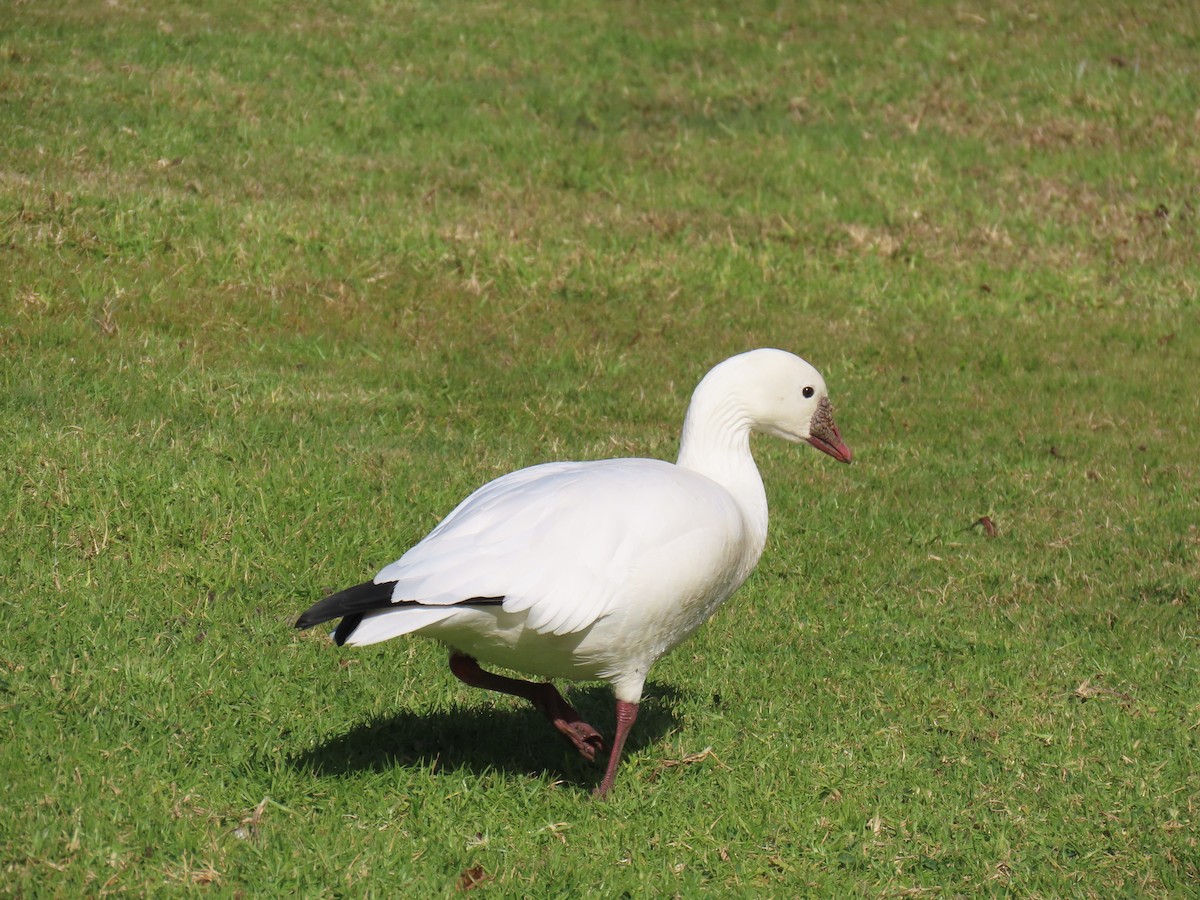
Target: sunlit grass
(281, 284)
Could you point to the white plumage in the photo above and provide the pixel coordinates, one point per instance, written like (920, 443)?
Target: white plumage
(594, 570)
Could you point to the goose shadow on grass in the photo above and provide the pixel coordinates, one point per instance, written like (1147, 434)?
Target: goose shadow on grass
(516, 740)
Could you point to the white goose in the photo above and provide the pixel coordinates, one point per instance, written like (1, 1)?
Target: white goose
(594, 570)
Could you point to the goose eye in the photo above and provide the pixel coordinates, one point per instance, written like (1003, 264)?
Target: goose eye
(808, 391)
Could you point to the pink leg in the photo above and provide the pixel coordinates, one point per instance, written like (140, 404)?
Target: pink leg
(544, 696)
(626, 716)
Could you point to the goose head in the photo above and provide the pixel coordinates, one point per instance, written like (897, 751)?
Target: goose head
(784, 396)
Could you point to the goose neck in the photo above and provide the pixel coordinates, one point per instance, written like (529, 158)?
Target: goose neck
(716, 444)
(716, 435)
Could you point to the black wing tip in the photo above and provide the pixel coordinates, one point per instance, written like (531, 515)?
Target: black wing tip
(355, 602)
(357, 599)
(345, 628)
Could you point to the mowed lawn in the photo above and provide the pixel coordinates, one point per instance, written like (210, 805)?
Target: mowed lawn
(281, 283)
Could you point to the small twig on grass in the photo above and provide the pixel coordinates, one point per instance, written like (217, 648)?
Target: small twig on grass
(706, 753)
(1089, 691)
(986, 523)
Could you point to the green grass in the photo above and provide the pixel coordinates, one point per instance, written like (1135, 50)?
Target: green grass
(279, 284)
